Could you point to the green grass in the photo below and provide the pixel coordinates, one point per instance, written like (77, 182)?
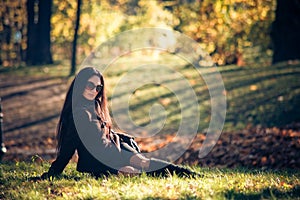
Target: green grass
(265, 96)
(16, 183)
(256, 95)
(58, 69)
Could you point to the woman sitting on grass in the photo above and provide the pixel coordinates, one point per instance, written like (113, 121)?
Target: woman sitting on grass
(85, 126)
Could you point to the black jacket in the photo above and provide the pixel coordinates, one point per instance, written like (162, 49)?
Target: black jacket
(89, 127)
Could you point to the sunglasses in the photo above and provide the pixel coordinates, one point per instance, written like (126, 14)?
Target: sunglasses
(91, 86)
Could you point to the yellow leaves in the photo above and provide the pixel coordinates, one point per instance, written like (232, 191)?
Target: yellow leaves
(220, 20)
(62, 5)
(218, 6)
(286, 185)
(71, 13)
(165, 101)
(210, 47)
(253, 87)
(91, 41)
(85, 18)
(230, 22)
(264, 14)
(219, 23)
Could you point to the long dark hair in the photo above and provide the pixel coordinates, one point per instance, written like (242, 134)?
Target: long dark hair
(74, 99)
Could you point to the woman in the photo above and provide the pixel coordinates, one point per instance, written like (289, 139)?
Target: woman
(85, 126)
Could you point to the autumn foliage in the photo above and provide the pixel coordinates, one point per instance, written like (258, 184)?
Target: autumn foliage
(232, 31)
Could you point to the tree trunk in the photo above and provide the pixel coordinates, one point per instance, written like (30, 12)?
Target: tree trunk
(74, 47)
(45, 10)
(38, 43)
(31, 32)
(286, 31)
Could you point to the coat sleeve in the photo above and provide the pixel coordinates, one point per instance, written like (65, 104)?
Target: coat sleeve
(68, 146)
(90, 132)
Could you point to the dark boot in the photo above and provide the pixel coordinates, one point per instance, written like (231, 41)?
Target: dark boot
(162, 168)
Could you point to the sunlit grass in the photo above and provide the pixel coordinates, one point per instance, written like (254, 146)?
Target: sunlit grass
(58, 69)
(16, 183)
(255, 95)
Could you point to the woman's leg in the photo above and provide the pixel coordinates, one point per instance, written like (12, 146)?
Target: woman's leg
(140, 161)
(128, 168)
(152, 166)
(157, 167)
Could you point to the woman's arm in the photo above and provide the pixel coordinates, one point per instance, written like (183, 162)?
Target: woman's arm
(65, 153)
(67, 149)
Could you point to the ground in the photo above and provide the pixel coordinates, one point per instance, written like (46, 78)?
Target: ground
(31, 106)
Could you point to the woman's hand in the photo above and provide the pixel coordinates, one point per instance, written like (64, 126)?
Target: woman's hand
(48, 175)
(45, 176)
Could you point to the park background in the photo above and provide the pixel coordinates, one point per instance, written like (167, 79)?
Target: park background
(255, 45)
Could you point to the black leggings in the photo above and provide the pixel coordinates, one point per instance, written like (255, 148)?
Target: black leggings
(115, 159)
(156, 167)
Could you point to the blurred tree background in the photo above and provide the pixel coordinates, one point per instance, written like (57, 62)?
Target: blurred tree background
(238, 32)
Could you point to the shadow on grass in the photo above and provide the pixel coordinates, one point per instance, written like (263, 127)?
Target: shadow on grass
(33, 123)
(265, 194)
(267, 96)
(293, 193)
(26, 91)
(60, 177)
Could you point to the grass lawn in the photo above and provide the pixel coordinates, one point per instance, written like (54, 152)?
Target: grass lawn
(255, 95)
(15, 183)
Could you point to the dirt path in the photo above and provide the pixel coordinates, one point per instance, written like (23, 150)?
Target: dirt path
(31, 107)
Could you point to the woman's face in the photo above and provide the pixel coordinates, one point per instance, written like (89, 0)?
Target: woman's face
(92, 87)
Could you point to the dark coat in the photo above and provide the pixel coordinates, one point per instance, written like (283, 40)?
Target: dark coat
(71, 141)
